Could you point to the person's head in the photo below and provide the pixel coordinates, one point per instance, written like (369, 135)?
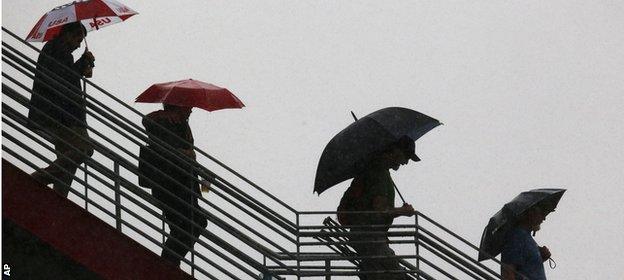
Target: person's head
(71, 35)
(182, 111)
(399, 154)
(532, 219)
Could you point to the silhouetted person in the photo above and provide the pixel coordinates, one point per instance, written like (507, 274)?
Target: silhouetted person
(69, 116)
(179, 193)
(521, 253)
(373, 190)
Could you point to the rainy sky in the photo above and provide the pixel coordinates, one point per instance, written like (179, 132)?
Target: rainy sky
(530, 94)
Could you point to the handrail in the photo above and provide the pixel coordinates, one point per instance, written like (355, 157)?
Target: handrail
(121, 148)
(211, 175)
(231, 190)
(128, 184)
(140, 114)
(125, 183)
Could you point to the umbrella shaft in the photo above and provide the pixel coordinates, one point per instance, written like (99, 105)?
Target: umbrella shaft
(400, 195)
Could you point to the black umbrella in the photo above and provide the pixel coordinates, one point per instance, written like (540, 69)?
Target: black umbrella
(504, 220)
(354, 146)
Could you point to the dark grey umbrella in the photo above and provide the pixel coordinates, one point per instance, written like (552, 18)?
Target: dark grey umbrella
(504, 220)
(354, 146)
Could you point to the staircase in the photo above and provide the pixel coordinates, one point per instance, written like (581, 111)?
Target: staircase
(251, 234)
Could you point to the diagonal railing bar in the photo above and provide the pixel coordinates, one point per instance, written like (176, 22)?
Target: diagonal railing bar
(142, 233)
(254, 204)
(132, 199)
(209, 203)
(462, 254)
(232, 191)
(214, 220)
(115, 144)
(448, 231)
(215, 192)
(140, 114)
(3, 87)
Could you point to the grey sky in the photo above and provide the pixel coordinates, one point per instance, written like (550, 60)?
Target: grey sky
(530, 92)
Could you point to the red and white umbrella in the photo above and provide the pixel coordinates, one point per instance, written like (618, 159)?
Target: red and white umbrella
(93, 14)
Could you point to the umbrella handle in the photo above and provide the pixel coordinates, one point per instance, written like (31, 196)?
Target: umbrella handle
(552, 263)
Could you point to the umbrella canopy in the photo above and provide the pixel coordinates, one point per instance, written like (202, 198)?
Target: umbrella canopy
(93, 14)
(504, 220)
(191, 93)
(353, 147)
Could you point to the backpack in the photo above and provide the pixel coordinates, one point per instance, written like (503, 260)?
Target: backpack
(351, 201)
(148, 157)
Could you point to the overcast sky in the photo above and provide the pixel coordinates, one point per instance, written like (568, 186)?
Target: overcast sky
(531, 94)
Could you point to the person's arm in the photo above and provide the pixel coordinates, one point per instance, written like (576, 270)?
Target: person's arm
(508, 271)
(544, 253)
(380, 203)
(84, 65)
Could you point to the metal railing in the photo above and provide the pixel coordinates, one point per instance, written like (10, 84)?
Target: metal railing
(424, 248)
(237, 238)
(250, 232)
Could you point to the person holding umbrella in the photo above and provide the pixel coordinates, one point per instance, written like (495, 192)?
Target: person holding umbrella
(58, 105)
(366, 151)
(181, 191)
(177, 186)
(521, 253)
(509, 233)
(59, 110)
(373, 190)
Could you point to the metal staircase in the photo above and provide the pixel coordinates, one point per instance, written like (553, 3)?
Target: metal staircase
(251, 234)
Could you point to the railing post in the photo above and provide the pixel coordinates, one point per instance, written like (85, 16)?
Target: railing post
(298, 250)
(416, 237)
(328, 269)
(163, 231)
(86, 188)
(117, 197)
(193, 263)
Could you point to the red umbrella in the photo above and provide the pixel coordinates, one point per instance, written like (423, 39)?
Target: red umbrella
(93, 14)
(191, 93)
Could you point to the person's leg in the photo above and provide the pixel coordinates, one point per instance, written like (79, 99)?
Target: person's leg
(362, 248)
(72, 148)
(377, 246)
(187, 225)
(78, 138)
(174, 248)
(169, 249)
(389, 264)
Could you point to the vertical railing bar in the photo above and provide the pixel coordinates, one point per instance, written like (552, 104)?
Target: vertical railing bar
(416, 236)
(163, 228)
(86, 190)
(327, 269)
(193, 262)
(117, 196)
(298, 248)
